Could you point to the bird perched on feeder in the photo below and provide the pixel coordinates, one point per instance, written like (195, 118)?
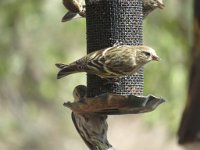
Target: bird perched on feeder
(150, 5)
(91, 127)
(79, 93)
(77, 8)
(112, 62)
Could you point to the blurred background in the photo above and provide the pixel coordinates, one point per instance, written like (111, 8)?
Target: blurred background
(33, 39)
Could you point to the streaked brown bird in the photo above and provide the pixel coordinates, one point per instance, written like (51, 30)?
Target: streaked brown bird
(77, 8)
(79, 93)
(150, 5)
(91, 127)
(112, 62)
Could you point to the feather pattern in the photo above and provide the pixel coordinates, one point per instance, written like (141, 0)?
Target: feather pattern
(110, 62)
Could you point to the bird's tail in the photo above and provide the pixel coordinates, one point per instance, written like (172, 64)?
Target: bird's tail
(69, 16)
(66, 70)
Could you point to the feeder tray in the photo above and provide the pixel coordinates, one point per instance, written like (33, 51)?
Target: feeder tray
(113, 104)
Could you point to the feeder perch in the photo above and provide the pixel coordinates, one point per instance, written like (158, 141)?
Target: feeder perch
(113, 104)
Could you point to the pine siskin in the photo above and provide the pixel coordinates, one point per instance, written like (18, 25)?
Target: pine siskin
(76, 9)
(150, 5)
(79, 93)
(112, 62)
(92, 128)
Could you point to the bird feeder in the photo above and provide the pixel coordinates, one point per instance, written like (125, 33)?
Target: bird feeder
(108, 23)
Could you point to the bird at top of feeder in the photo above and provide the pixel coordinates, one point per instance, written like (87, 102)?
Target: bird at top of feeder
(150, 5)
(77, 8)
(112, 62)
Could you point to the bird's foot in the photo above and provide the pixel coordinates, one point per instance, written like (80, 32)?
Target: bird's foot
(112, 81)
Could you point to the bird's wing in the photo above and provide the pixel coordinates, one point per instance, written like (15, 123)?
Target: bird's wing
(84, 138)
(72, 5)
(120, 60)
(93, 63)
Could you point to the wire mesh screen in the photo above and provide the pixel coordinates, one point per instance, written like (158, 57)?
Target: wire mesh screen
(112, 22)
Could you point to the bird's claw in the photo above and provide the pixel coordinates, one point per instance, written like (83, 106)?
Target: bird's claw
(112, 81)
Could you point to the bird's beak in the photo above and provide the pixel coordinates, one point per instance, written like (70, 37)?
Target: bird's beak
(160, 4)
(156, 58)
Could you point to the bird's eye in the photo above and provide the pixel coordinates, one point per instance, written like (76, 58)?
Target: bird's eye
(147, 54)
